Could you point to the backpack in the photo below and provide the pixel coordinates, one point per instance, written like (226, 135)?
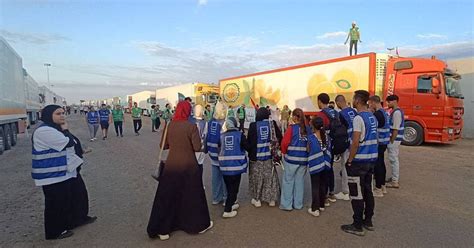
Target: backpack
(338, 134)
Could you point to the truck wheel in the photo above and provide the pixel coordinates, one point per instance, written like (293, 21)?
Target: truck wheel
(13, 133)
(2, 141)
(413, 135)
(7, 137)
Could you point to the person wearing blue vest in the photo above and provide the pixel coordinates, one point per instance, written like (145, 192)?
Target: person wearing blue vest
(92, 119)
(295, 158)
(263, 177)
(360, 166)
(318, 144)
(233, 162)
(214, 127)
(397, 127)
(346, 116)
(383, 130)
(105, 119)
(54, 166)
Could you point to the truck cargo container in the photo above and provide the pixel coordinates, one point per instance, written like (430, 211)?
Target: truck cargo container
(429, 91)
(200, 93)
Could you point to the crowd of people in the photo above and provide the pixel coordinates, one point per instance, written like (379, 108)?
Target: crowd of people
(357, 138)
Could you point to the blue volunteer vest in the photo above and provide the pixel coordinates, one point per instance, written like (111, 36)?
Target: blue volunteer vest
(232, 157)
(92, 117)
(348, 114)
(384, 132)
(368, 149)
(297, 151)
(48, 164)
(316, 159)
(263, 140)
(212, 140)
(402, 125)
(104, 115)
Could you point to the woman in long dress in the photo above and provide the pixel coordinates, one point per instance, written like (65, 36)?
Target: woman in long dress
(180, 201)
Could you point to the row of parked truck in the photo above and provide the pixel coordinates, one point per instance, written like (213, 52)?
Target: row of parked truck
(429, 91)
(21, 98)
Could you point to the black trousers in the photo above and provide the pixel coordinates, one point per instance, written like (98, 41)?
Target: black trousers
(57, 208)
(330, 180)
(137, 125)
(241, 124)
(380, 171)
(352, 44)
(155, 124)
(359, 176)
(318, 190)
(232, 184)
(79, 201)
(118, 127)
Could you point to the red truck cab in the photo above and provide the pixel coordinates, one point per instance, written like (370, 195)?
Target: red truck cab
(430, 96)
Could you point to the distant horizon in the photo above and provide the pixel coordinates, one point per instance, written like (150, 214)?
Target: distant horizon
(101, 48)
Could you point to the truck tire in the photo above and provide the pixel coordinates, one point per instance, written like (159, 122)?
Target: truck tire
(2, 141)
(413, 134)
(7, 137)
(14, 134)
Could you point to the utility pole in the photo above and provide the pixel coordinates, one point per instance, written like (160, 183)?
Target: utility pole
(47, 65)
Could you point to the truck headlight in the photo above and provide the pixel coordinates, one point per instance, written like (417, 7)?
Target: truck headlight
(450, 131)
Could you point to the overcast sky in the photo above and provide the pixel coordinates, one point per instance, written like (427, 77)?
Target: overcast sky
(100, 49)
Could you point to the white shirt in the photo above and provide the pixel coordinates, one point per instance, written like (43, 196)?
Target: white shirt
(396, 120)
(359, 126)
(45, 138)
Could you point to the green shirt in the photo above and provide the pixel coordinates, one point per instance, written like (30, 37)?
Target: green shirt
(117, 114)
(354, 33)
(207, 115)
(167, 114)
(136, 113)
(230, 113)
(154, 114)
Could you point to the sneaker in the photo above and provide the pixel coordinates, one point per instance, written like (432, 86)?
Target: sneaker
(322, 209)
(337, 159)
(217, 202)
(229, 214)
(94, 138)
(393, 184)
(121, 135)
(103, 138)
(384, 189)
(342, 196)
(65, 234)
(271, 204)
(136, 134)
(235, 206)
(377, 192)
(91, 140)
(256, 203)
(367, 225)
(326, 203)
(164, 237)
(352, 229)
(314, 213)
(331, 197)
(211, 224)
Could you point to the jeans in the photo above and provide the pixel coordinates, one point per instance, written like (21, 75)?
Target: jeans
(118, 127)
(155, 124)
(137, 125)
(232, 184)
(93, 130)
(360, 191)
(393, 150)
(292, 188)
(380, 170)
(219, 193)
(353, 44)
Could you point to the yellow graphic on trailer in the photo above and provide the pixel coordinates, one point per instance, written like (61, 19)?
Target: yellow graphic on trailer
(298, 87)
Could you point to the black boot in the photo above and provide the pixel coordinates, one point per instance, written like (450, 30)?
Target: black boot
(353, 229)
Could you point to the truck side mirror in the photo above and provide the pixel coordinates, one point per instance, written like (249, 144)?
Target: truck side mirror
(435, 86)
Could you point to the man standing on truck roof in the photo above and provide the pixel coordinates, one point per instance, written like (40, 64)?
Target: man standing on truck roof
(397, 126)
(354, 35)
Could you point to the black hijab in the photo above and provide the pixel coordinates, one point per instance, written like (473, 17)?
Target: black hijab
(47, 116)
(262, 114)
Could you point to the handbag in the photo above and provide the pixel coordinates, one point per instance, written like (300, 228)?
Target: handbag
(157, 174)
(274, 146)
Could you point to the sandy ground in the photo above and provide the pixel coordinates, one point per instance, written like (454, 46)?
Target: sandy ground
(434, 207)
